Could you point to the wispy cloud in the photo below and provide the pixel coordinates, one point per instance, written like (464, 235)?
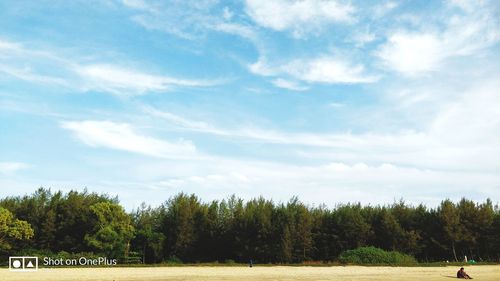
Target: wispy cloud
(44, 67)
(6, 45)
(299, 16)
(10, 168)
(336, 105)
(28, 75)
(456, 138)
(29, 65)
(124, 81)
(242, 30)
(323, 69)
(382, 9)
(403, 99)
(184, 19)
(288, 84)
(328, 70)
(122, 136)
(336, 181)
(190, 20)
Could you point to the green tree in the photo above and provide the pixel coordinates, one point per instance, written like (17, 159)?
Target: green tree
(302, 230)
(181, 218)
(112, 231)
(286, 246)
(388, 232)
(148, 238)
(450, 222)
(12, 229)
(353, 229)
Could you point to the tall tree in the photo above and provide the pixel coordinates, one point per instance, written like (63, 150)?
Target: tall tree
(353, 229)
(113, 230)
(148, 238)
(180, 220)
(12, 230)
(450, 222)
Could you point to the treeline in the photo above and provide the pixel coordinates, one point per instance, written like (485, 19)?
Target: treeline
(186, 229)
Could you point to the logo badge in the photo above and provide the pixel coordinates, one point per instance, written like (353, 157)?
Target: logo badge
(23, 264)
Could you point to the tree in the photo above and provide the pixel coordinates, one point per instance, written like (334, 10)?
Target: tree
(353, 229)
(303, 225)
(148, 238)
(182, 215)
(12, 229)
(113, 230)
(388, 232)
(231, 229)
(286, 246)
(477, 220)
(450, 221)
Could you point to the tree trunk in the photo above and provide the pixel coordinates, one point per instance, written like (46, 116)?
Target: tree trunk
(454, 252)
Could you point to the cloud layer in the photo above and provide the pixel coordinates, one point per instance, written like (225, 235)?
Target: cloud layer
(330, 100)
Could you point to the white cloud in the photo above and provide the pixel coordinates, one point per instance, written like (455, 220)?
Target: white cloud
(140, 5)
(227, 14)
(362, 38)
(121, 136)
(238, 29)
(29, 75)
(421, 51)
(328, 70)
(190, 20)
(469, 127)
(21, 63)
(461, 136)
(287, 84)
(336, 105)
(466, 5)
(43, 67)
(184, 19)
(330, 183)
(262, 67)
(360, 143)
(325, 69)
(412, 53)
(299, 16)
(8, 46)
(9, 168)
(185, 123)
(125, 81)
(382, 9)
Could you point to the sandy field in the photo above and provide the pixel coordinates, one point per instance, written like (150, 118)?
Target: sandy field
(338, 273)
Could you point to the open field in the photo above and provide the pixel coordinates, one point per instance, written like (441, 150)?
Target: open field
(289, 273)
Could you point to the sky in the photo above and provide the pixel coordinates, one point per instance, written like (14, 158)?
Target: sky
(331, 101)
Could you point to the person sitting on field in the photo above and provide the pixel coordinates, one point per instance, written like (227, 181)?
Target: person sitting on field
(462, 274)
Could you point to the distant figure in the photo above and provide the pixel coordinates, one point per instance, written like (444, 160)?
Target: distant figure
(250, 263)
(462, 274)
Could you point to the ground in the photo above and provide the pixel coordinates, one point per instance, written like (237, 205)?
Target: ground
(267, 273)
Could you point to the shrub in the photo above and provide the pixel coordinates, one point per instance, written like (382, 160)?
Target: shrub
(174, 260)
(372, 255)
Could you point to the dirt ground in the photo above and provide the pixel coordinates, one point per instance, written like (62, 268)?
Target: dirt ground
(289, 273)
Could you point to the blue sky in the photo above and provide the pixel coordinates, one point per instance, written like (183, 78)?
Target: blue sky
(332, 101)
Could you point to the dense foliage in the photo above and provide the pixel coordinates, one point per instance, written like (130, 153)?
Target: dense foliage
(12, 229)
(372, 255)
(186, 229)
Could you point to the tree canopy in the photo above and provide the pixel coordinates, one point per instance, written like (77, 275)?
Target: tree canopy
(188, 229)
(12, 229)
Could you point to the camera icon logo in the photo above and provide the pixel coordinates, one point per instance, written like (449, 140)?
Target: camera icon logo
(23, 264)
